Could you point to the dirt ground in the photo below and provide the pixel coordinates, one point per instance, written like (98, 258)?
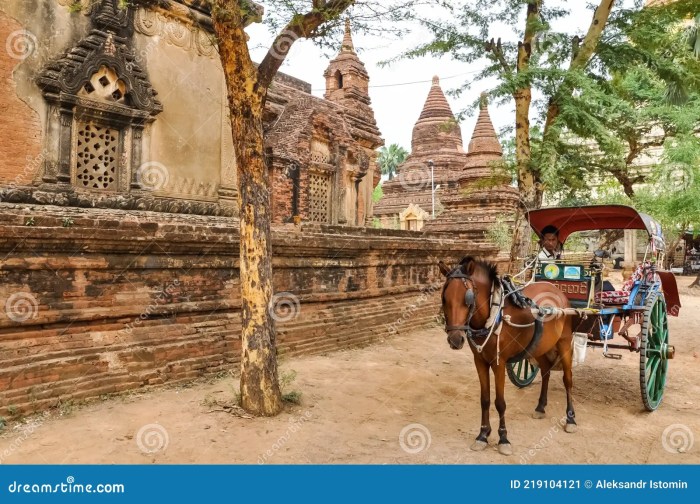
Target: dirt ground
(407, 400)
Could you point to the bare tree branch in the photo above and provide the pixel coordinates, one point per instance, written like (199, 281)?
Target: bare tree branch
(299, 27)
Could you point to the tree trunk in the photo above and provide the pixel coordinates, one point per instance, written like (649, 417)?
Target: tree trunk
(671, 255)
(530, 193)
(260, 390)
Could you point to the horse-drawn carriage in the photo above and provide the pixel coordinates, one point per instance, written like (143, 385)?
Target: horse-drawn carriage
(645, 300)
(510, 325)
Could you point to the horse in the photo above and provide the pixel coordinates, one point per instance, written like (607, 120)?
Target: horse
(469, 307)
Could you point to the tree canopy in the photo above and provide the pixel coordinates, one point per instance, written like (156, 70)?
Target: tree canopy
(589, 102)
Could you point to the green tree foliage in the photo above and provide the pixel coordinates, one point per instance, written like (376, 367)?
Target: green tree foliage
(580, 108)
(377, 194)
(390, 158)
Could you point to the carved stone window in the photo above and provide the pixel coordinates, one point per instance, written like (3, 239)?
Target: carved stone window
(320, 185)
(97, 153)
(320, 152)
(99, 103)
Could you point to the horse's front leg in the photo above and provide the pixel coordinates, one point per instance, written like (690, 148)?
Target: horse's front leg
(482, 368)
(504, 447)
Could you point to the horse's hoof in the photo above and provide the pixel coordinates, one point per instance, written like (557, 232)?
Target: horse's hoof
(538, 414)
(571, 428)
(505, 449)
(478, 445)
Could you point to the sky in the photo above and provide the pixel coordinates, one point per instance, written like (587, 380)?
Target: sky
(398, 92)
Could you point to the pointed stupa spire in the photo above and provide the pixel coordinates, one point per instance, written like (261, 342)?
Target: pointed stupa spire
(484, 139)
(347, 46)
(436, 128)
(436, 105)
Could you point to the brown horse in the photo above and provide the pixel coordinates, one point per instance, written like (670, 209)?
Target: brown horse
(467, 305)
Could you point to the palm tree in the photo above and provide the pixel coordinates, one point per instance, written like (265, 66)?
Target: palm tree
(390, 158)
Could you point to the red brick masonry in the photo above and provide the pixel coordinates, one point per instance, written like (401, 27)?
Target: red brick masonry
(99, 301)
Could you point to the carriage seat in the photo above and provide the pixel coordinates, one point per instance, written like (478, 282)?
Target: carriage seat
(622, 296)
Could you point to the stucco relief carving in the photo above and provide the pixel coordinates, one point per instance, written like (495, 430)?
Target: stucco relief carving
(189, 188)
(174, 30)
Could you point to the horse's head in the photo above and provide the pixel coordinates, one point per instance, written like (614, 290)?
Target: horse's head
(464, 287)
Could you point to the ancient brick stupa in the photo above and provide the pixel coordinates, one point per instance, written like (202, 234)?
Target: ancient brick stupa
(407, 201)
(482, 192)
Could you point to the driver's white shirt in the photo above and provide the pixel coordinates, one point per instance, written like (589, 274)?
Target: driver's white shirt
(546, 256)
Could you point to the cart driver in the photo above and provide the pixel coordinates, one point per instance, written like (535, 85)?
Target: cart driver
(550, 245)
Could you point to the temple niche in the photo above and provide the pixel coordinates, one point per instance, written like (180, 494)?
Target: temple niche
(321, 152)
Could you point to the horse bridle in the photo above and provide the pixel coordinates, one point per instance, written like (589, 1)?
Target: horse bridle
(469, 298)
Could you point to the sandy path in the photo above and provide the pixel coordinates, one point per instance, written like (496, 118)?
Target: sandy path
(356, 403)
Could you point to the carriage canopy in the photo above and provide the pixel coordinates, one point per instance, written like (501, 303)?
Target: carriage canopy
(585, 218)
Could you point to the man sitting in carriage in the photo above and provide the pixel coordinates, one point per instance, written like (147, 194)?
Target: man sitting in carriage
(551, 247)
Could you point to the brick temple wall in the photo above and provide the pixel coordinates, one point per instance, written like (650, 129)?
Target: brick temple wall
(101, 301)
(20, 127)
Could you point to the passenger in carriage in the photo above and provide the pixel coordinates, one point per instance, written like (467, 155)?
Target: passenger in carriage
(551, 248)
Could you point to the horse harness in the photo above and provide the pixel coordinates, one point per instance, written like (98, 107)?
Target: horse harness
(507, 290)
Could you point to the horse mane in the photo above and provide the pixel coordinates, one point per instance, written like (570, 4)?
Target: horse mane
(490, 268)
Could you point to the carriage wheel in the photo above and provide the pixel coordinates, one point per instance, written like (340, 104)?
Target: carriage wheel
(655, 351)
(521, 373)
